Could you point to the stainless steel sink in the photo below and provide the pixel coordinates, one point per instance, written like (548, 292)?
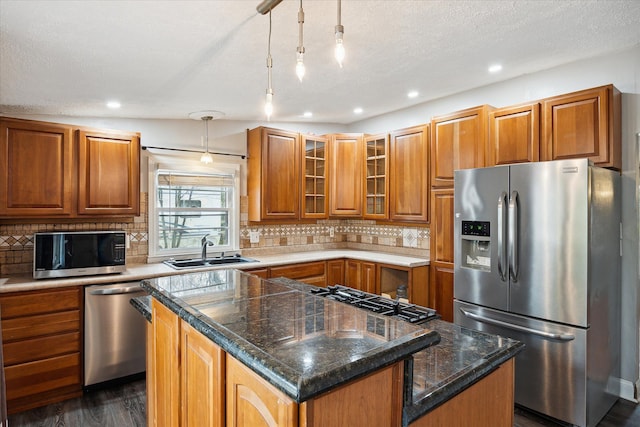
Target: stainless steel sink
(198, 262)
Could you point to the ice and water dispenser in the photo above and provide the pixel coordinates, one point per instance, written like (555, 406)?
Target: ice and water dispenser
(476, 245)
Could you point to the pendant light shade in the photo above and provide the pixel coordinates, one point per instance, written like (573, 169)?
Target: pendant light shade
(300, 70)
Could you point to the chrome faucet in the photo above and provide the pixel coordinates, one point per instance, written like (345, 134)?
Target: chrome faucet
(205, 242)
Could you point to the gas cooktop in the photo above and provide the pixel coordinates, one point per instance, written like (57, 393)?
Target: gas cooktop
(408, 312)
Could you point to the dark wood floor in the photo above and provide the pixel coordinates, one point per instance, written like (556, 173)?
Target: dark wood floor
(124, 406)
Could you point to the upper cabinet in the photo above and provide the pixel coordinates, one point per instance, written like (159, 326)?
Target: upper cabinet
(314, 181)
(376, 183)
(514, 135)
(345, 196)
(273, 174)
(583, 124)
(458, 141)
(109, 173)
(48, 172)
(409, 174)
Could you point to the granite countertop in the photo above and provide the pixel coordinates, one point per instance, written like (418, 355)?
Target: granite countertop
(137, 272)
(302, 344)
(440, 372)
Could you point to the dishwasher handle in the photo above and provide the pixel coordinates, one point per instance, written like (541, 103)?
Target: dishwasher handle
(116, 291)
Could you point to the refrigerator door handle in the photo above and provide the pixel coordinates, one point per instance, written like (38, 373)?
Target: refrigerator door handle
(549, 335)
(502, 224)
(513, 236)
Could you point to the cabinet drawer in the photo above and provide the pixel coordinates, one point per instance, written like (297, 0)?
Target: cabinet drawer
(41, 325)
(38, 377)
(40, 348)
(320, 281)
(299, 271)
(29, 303)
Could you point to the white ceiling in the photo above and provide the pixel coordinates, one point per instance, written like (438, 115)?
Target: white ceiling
(165, 59)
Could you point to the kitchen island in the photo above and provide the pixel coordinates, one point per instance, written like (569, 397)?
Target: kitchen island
(228, 347)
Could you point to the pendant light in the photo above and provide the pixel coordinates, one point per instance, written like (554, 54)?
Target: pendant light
(268, 106)
(206, 117)
(300, 70)
(339, 52)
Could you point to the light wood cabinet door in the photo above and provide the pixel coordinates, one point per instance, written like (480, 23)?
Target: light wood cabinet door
(202, 372)
(273, 174)
(353, 274)
(36, 169)
(376, 177)
(409, 174)
(108, 173)
(253, 402)
(312, 273)
(166, 366)
(442, 225)
(514, 135)
(458, 141)
(335, 272)
(361, 275)
(345, 175)
(583, 124)
(315, 200)
(441, 289)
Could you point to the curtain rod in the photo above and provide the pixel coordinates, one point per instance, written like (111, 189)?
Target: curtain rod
(195, 151)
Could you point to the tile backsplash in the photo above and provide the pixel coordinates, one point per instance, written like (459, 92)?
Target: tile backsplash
(16, 240)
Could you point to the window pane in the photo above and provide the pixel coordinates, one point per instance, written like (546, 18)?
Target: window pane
(185, 229)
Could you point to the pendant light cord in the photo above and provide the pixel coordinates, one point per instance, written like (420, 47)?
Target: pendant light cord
(269, 60)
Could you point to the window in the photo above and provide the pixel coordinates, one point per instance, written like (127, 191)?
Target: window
(188, 204)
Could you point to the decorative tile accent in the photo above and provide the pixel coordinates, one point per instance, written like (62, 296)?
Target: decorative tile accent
(410, 237)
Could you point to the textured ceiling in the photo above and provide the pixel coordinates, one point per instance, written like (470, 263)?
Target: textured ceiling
(165, 59)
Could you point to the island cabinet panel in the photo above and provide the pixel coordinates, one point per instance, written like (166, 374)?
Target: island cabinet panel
(487, 403)
(202, 373)
(335, 272)
(356, 404)
(36, 169)
(514, 135)
(273, 174)
(458, 141)
(345, 175)
(253, 402)
(41, 344)
(109, 173)
(583, 124)
(409, 174)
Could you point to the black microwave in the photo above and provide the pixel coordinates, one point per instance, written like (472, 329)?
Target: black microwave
(84, 253)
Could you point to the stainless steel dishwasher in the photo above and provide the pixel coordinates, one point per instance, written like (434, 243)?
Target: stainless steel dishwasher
(114, 333)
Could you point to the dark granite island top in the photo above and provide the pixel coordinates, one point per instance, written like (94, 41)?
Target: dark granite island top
(302, 344)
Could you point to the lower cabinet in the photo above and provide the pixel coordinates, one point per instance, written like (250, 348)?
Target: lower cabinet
(441, 296)
(312, 273)
(41, 344)
(361, 275)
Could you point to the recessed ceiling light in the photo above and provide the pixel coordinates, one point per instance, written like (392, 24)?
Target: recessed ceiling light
(113, 105)
(357, 110)
(413, 94)
(307, 114)
(495, 68)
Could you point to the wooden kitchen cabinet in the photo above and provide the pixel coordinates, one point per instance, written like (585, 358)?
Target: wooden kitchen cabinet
(514, 135)
(458, 141)
(335, 272)
(273, 170)
(441, 250)
(441, 289)
(583, 124)
(345, 175)
(109, 173)
(409, 174)
(416, 279)
(312, 273)
(36, 169)
(315, 202)
(376, 177)
(41, 344)
(361, 275)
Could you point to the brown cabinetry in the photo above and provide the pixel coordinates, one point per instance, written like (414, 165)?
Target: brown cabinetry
(376, 179)
(416, 279)
(514, 135)
(314, 180)
(441, 289)
(312, 273)
(273, 173)
(41, 347)
(409, 174)
(335, 272)
(441, 252)
(361, 275)
(583, 124)
(345, 189)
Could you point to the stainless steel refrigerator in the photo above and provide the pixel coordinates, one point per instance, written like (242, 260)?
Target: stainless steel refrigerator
(537, 258)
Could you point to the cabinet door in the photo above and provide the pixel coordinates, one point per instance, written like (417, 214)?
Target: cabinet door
(335, 272)
(514, 135)
(441, 292)
(315, 202)
(166, 366)
(345, 197)
(353, 274)
(409, 177)
(442, 225)
(376, 177)
(368, 278)
(273, 174)
(458, 141)
(253, 402)
(202, 373)
(583, 124)
(108, 173)
(36, 169)
(312, 273)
